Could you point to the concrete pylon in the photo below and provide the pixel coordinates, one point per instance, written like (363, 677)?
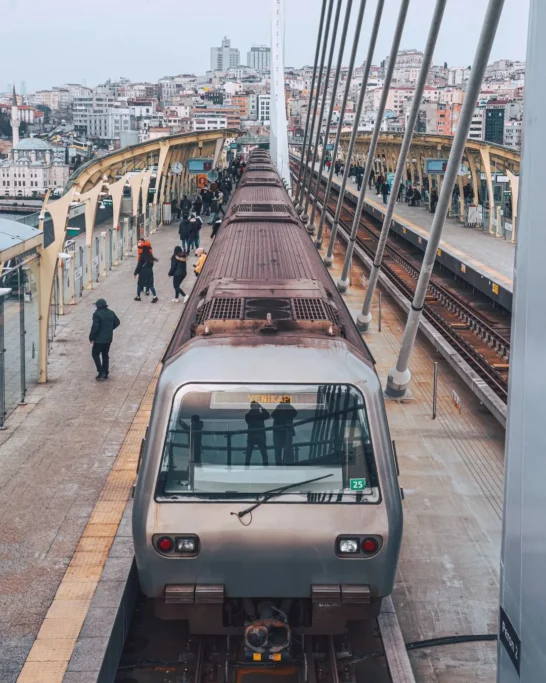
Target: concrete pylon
(59, 211)
(91, 199)
(279, 123)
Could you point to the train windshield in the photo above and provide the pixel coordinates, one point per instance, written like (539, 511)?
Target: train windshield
(237, 442)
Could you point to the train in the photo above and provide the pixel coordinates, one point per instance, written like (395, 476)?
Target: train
(267, 501)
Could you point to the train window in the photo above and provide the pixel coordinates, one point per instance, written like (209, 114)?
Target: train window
(237, 442)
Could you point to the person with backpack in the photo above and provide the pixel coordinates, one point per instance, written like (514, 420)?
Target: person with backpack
(184, 231)
(178, 272)
(145, 273)
(185, 204)
(196, 223)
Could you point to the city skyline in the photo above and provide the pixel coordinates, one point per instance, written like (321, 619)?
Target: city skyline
(173, 50)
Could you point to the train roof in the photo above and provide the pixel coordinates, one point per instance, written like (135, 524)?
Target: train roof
(264, 277)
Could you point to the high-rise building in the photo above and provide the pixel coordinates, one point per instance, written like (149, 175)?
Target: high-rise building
(494, 124)
(259, 58)
(224, 57)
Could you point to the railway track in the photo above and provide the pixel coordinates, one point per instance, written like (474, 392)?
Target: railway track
(477, 330)
(164, 652)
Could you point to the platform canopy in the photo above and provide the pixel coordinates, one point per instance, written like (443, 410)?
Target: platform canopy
(17, 238)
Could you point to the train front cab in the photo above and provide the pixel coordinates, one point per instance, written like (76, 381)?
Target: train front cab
(323, 547)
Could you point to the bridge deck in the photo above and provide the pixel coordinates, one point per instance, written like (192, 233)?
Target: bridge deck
(68, 462)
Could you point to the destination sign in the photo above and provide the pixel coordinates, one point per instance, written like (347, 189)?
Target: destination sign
(238, 399)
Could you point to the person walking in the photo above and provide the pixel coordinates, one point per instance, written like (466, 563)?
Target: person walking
(433, 200)
(196, 222)
(178, 272)
(213, 208)
(101, 335)
(184, 232)
(145, 273)
(385, 191)
(144, 243)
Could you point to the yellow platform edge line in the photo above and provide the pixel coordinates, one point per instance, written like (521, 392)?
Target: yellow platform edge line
(50, 654)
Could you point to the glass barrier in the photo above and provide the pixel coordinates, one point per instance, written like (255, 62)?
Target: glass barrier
(19, 322)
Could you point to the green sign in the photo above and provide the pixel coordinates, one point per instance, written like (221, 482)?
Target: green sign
(72, 232)
(357, 484)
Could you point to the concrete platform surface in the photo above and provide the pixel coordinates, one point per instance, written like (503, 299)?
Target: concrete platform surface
(58, 450)
(452, 472)
(489, 260)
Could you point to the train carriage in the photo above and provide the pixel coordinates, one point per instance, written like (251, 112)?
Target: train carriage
(268, 486)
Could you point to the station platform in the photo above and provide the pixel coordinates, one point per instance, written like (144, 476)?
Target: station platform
(452, 473)
(69, 460)
(63, 488)
(483, 260)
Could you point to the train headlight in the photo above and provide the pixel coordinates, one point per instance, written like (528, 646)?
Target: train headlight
(186, 544)
(348, 546)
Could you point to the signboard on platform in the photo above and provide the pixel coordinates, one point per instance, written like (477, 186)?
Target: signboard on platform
(510, 639)
(435, 166)
(202, 181)
(200, 165)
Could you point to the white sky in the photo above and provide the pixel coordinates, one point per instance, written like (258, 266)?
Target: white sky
(50, 42)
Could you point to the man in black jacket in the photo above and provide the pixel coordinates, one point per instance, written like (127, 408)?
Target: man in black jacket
(105, 322)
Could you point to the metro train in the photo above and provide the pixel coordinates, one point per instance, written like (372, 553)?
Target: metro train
(267, 500)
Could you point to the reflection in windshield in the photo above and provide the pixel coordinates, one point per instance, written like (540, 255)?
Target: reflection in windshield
(242, 441)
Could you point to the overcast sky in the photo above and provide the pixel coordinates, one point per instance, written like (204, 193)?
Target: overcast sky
(51, 42)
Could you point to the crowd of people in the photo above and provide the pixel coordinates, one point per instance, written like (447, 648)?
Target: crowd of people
(412, 194)
(209, 202)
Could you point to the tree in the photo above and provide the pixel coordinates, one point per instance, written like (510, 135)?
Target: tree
(47, 112)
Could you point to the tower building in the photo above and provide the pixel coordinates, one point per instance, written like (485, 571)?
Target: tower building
(14, 119)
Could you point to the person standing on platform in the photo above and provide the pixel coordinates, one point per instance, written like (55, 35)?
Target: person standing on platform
(215, 227)
(433, 200)
(185, 204)
(385, 191)
(256, 434)
(359, 178)
(198, 205)
(205, 197)
(202, 257)
(221, 198)
(213, 208)
(178, 272)
(145, 273)
(101, 335)
(184, 232)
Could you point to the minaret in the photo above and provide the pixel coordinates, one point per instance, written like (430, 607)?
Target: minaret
(14, 119)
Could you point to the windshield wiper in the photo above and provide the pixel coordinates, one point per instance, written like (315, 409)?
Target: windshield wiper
(268, 495)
